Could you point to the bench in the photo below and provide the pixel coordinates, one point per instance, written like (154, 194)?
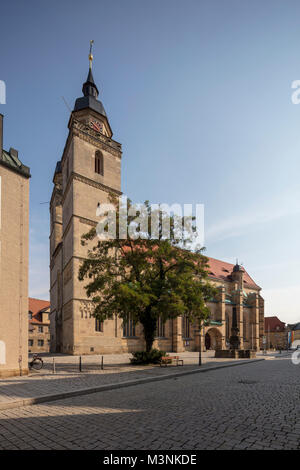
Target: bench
(165, 360)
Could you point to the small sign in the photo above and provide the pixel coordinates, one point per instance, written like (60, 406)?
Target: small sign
(2, 353)
(264, 340)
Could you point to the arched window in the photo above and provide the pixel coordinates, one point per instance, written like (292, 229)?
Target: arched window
(98, 325)
(160, 328)
(99, 167)
(185, 327)
(128, 327)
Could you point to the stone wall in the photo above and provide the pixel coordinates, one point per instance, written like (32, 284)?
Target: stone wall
(14, 232)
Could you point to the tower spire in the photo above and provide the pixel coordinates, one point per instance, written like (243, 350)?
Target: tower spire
(89, 87)
(90, 54)
(90, 90)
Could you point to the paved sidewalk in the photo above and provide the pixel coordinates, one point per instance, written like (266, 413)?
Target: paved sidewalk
(68, 381)
(252, 406)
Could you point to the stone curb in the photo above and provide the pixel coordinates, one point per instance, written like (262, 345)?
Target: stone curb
(104, 388)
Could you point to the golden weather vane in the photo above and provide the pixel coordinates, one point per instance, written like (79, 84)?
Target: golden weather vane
(90, 54)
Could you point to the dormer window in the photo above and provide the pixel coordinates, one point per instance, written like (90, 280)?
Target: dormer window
(99, 167)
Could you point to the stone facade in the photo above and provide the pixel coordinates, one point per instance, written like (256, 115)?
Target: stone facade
(80, 184)
(39, 326)
(237, 291)
(14, 234)
(276, 333)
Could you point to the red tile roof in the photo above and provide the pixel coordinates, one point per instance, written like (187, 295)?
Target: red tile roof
(274, 324)
(35, 306)
(222, 271)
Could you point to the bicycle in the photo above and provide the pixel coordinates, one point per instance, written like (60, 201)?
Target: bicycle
(36, 363)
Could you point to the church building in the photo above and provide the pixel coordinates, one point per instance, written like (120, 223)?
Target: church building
(89, 170)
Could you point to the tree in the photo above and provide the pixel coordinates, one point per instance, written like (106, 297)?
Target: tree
(145, 279)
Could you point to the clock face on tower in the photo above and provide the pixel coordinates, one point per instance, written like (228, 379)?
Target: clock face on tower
(96, 126)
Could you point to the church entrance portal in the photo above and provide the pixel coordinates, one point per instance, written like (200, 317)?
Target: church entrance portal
(213, 339)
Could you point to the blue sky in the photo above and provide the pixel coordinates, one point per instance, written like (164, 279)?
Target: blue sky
(199, 94)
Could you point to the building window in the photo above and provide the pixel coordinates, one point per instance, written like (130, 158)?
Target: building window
(99, 166)
(30, 342)
(30, 315)
(98, 325)
(40, 342)
(185, 327)
(129, 328)
(41, 329)
(160, 328)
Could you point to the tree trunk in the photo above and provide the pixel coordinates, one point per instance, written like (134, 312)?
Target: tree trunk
(149, 325)
(149, 341)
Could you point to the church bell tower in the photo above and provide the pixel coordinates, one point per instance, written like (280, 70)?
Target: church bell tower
(89, 170)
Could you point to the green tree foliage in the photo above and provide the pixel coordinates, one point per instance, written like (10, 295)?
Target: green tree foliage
(145, 278)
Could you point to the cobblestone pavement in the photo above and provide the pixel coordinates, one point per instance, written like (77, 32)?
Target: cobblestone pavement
(253, 406)
(68, 378)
